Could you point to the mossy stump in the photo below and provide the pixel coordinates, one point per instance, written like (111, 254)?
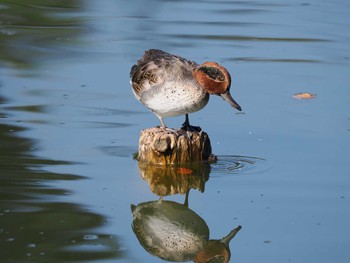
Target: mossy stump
(164, 146)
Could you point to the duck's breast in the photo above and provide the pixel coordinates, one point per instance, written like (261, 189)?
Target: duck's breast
(173, 98)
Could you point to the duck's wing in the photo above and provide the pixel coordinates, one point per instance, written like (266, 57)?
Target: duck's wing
(156, 67)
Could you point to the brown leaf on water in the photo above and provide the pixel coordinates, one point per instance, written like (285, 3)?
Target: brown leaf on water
(304, 96)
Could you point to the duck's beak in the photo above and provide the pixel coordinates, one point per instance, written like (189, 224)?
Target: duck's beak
(227, 96)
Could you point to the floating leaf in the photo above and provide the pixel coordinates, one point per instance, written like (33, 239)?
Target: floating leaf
(304, 96)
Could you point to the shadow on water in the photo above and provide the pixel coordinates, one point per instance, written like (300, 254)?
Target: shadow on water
(35, 224)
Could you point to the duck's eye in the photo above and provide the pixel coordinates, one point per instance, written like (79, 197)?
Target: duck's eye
(213, 73)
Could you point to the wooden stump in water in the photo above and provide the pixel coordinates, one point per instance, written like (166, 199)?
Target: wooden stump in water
(164, 146)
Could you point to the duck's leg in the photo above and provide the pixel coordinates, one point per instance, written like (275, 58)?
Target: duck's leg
(187, 127)
(161, 121)
(164, 126)
(187, 121)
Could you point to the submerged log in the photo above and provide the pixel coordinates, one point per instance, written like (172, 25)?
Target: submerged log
(165, 146)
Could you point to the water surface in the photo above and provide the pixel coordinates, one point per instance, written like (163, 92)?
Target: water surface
(69, 126)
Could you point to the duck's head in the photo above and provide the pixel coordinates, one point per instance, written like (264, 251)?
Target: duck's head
(215, 79)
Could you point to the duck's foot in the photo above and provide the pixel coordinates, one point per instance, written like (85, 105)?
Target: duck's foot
(166, 129)
(186, 127)
(189, 130)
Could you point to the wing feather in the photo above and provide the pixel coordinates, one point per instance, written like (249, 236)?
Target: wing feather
(155, 67)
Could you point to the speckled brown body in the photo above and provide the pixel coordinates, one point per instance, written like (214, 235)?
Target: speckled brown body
(170, 85)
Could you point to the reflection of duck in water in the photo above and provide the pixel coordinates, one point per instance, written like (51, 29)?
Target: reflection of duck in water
(217, 251)
(169, 230)
(174, 232)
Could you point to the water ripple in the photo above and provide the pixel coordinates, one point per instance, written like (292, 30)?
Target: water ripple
(247, 38)
(239, 165)
(277, 60)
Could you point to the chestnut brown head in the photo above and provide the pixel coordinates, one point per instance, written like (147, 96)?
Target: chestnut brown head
(215, 79)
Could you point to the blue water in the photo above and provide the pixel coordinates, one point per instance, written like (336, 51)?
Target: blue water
(69, 126)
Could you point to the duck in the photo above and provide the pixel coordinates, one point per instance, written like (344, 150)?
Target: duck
(170, 85)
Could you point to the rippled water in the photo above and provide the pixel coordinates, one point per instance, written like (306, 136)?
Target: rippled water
(69, 126)
(239, 165)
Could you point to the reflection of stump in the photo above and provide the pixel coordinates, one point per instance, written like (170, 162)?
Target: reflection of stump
(167, 180)
(160, 146)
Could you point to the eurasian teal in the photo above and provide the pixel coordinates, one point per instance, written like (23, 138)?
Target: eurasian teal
(170, 85)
